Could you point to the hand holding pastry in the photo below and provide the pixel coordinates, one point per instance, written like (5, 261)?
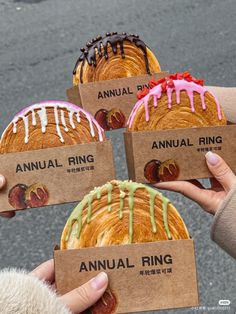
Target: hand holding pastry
(80, 298)
(119, 213)
(209, 199)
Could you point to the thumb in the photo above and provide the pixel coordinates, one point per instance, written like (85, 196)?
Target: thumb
(2, 181)
(86, 295)
(220, 170)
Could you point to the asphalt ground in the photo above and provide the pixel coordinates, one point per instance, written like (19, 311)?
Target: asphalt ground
(40, 42)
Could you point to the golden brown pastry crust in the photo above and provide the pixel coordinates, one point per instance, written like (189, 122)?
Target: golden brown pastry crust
(50, 124)
(106, 227)
(196, 108)
(130, 57)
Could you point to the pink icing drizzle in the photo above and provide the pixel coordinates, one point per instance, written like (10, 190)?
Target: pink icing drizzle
(180, 85)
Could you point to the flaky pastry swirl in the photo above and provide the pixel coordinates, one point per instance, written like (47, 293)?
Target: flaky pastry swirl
(50, 124)
(122, 212)
(177, 101)
(114, 56)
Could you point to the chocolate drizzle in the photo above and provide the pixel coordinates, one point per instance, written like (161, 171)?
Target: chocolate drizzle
(101, 43)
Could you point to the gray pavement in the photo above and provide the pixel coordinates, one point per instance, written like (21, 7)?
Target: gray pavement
(40, 42)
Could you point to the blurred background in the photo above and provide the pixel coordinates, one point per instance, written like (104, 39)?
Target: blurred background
(40, 42)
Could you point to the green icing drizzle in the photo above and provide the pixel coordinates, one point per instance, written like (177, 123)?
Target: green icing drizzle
(122, 196)
(109, 195)
(121, 208)
(131, 214)
(89, 214)
(69, 230)
(109, 191)
(98, 193)
(165, 203)
(152, 197)
(79, 225)
(122, 185)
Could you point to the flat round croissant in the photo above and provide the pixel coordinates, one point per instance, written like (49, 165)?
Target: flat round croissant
(50, 124)
(122, 212)
(176, 101)
(114, 56)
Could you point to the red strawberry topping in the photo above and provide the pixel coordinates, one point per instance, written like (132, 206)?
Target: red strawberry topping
(168, 82)
(142, 93)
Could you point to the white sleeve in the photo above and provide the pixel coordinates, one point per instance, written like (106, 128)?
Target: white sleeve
(23, 293)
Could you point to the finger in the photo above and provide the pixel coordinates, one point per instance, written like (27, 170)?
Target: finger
(220, 170)
(189, 190)
(2, 181)
(9, 214)
(184, 187)
(45, 271)
(2, 184)
(85, 296)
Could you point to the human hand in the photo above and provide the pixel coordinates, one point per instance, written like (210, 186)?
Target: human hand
(211, 198)
(79, 299)
(5, 214)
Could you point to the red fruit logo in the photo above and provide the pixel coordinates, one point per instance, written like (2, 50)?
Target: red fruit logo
(101, 117)
(151, 171)
(115, 119)
(110, 120)
(156, 171)
(16, 196)
(21, 196)
(106, 305)
(169, 170)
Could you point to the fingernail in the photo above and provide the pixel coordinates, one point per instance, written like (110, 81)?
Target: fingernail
(2, 181)
(99, 281)
(212, 158)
